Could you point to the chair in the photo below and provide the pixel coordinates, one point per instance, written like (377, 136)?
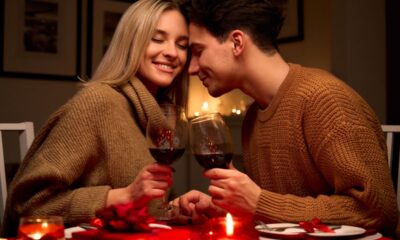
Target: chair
(26, 135)
(393, 152)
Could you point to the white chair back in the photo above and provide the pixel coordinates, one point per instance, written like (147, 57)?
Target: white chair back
(26, 135)
(390, 131)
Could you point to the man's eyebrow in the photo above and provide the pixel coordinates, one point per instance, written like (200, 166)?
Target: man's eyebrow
(195, 45)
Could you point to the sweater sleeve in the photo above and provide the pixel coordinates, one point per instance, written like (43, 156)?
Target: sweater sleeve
(347, 147)
(362, 189)
(51, 178)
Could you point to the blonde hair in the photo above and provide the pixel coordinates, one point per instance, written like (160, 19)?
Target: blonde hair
(131, 38)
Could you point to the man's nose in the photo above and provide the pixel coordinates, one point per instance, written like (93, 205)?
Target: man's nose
(193, 67)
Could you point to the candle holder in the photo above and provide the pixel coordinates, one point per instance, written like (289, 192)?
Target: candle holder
(41, 228)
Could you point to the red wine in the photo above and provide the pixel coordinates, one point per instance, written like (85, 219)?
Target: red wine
(166, 155)
(214, 160)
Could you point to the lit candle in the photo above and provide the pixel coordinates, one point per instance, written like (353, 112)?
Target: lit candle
(204, 107)
(229, 228)
(229, 225)
(37, 228)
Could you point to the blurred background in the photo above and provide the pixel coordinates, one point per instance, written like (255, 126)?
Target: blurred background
(47, 44)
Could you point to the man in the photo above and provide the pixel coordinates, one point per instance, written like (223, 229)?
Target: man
(312, 146)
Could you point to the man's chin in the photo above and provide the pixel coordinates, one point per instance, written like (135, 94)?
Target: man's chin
(215, 92)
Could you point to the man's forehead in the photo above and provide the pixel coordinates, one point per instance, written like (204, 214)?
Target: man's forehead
(197, 34)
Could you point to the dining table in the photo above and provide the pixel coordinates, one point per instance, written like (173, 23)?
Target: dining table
(203, 232)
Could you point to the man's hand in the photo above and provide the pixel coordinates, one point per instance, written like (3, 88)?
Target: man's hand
(196, 207)
(233, 191)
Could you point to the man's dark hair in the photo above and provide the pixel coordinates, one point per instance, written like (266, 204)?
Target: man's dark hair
(261, 19)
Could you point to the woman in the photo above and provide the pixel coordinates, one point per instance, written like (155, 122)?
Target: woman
(92, 152)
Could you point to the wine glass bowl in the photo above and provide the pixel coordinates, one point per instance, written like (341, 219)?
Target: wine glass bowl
(167, 141)
(211, 141)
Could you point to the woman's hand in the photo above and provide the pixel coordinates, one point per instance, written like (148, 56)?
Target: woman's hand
(196, 207)
(151, 182)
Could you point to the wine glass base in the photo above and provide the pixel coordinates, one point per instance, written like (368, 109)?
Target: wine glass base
(165, 212)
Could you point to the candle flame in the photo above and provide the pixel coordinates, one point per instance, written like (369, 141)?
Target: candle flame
(229, 224)
(204, 107)
(36, 235)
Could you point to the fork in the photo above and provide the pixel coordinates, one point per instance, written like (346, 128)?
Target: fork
(275, 229)
(281, 229)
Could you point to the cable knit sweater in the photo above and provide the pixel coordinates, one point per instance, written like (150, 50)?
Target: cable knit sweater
(318, 150)
(93, 143)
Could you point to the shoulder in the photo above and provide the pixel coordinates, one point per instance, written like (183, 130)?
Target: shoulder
(96, 97)
(312, 80)
(319, 86)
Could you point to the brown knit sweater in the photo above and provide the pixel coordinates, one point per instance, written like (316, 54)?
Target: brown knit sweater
(93, 143)
(318, 151)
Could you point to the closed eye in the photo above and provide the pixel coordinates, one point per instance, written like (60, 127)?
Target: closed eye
(157, 40)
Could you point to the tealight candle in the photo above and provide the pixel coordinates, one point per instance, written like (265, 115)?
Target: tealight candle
(36, 228)
(227, 228)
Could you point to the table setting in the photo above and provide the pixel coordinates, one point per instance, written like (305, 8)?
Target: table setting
(126, 222)
(211, 143)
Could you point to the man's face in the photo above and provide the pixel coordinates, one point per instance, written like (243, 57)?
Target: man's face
(212, 61)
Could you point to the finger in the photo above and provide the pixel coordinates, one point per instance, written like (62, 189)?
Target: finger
(163, 185)
(218, 183)
(218, 202)
(231, 166)
(157, 176)
(175, 202)
(154, 193)
(187, 205)
(215, 173)
(155, 167)
(216, 192)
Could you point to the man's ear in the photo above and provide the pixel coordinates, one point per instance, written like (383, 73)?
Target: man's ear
(237, 39)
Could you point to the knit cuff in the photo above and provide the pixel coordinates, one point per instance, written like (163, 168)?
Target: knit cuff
(276, 207)
(86, 201)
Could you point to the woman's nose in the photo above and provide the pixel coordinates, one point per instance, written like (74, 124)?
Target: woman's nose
(171, 50)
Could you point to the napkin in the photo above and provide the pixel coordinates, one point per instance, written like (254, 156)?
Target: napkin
(123, 218)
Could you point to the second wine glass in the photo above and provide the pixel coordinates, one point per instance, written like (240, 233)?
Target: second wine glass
(211, 141)
(167, 142)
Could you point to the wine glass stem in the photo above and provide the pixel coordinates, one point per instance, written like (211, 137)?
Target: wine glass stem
(164, 203)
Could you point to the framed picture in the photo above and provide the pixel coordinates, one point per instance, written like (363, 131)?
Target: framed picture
(103, 18)
(40, 38)
(292, 29)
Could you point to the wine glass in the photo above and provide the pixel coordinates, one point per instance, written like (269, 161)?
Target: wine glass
(35, 228)
(167, 142)
(211, 141)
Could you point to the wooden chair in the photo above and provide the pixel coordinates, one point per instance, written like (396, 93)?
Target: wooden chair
(26, 135)
(393, 155)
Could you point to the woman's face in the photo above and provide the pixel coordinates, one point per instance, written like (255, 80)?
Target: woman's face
(166, 54)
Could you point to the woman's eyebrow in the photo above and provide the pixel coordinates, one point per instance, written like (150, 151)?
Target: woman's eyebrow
(164, 33)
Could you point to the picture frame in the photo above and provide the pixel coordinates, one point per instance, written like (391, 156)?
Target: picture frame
(40, 39)
(103, 17)
(293, 27)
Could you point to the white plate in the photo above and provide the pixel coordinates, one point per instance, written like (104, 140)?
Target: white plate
(292, 229)
(340, 232)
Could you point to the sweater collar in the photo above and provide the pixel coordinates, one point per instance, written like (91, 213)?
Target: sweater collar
(146, 106)
(265, 114)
